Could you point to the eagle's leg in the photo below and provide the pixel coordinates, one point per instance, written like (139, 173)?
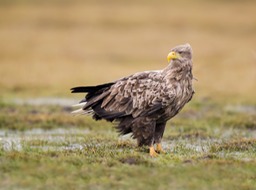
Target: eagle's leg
(149, 143)
(159, 148)
(152, 151)
(158, 137)
(144, 131)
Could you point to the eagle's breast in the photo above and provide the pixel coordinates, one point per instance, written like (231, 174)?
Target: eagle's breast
(179, 85)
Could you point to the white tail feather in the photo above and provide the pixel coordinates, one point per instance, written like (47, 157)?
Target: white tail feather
(79, 111)
(82, 112)
(80, 104)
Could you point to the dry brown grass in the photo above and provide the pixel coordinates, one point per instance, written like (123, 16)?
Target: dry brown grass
(46, 48)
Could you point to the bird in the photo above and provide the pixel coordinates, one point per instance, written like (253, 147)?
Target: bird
(143, 102)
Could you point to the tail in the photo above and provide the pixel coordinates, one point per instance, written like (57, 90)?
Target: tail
(92, 102)
(94, 95)
(90, 89)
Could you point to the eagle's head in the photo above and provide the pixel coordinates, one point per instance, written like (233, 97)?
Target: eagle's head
(180, 52)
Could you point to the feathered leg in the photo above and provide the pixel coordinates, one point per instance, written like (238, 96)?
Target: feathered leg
(143, 130)
(159, 131)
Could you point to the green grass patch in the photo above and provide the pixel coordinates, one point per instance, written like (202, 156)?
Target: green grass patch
(207, 147)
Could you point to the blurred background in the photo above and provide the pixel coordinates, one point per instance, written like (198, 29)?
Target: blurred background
(47, 47)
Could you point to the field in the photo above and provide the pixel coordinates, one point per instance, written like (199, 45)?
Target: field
(47, 47)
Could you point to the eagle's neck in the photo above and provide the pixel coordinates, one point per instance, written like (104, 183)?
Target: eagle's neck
(178, 70)
(178, 78)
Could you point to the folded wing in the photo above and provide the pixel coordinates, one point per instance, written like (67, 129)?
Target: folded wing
(141, 94)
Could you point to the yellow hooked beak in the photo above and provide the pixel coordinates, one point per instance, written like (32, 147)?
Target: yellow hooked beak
(172, 55)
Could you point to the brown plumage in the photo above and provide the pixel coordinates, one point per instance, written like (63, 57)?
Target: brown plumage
(143, 102)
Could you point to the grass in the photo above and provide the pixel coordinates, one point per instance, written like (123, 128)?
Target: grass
(205, 150)
(49, 46)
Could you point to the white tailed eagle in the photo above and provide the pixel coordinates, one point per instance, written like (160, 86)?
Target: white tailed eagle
(142, 103)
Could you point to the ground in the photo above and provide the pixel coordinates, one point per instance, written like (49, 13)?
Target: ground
(208, 146)
(49, 46)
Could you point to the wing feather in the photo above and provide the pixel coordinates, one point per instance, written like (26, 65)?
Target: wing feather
(140, 94)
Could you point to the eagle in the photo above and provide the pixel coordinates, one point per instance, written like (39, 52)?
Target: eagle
(142, 103)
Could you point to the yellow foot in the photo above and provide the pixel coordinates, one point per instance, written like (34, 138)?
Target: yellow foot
(159, 149)
(152, 152)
